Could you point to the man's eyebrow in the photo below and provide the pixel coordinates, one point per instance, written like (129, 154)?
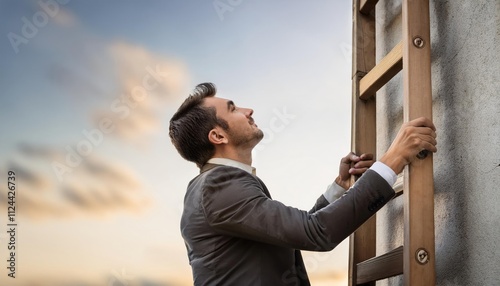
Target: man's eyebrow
(230, 104)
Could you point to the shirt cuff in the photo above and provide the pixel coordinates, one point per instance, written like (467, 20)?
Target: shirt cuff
(333, 192)
(385, 172)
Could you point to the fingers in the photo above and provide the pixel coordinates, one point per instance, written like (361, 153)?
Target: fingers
(353, 164)
(424, 138)
(357, 171)
(365, 160)
(424, 130)
(410, 131)
(423, 141)
(351, 157)
(364, 164)
(429, 147)
(366, 156)
(422, 122)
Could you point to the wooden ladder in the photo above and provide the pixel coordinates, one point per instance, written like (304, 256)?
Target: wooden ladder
(416, 258)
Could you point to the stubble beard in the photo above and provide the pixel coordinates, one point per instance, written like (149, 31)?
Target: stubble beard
(247, 140)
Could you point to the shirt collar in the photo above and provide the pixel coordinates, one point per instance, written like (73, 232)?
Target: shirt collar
(232, 163)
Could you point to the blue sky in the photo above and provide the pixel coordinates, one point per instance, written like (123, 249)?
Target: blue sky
(116, 214)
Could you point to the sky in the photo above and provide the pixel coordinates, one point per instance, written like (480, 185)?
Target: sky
(87, 91)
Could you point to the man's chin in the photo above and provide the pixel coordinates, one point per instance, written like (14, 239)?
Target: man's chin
(257, 138)
(260, 135)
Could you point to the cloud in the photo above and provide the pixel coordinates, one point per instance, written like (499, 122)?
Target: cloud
(132, 85)
(104, 78)
(103, 187)
(146, 83)
(110, 78)
(97, 188)
(31, 178)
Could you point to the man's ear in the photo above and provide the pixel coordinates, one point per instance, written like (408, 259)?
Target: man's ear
(216, 136)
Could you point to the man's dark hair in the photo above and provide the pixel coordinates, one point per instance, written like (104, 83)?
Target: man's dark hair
(190, 125)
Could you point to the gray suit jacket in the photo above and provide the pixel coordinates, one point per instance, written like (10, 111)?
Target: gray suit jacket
(236, 234)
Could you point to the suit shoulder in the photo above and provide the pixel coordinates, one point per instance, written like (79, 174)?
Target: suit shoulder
(223, 173)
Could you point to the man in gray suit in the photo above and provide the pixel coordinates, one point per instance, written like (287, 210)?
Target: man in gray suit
(235, 233)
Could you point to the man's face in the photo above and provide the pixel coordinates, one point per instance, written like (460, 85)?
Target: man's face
(242, 129)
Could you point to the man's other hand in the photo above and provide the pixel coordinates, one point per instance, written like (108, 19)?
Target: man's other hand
(413, 137)
(353, 164)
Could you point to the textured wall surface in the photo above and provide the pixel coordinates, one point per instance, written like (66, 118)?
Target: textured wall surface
(465, 38)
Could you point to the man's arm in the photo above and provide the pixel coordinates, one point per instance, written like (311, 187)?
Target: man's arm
(234, 204)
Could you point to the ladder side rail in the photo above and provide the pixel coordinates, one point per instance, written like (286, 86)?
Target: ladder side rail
(363, 129)
(419, 252)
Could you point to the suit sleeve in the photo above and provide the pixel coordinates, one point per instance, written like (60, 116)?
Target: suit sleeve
(333, 192)
(321, 202)
(234, 204)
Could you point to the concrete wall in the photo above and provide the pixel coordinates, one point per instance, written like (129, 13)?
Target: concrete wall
(465, 78)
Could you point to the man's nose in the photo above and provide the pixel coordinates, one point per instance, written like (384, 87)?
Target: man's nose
(248, 112)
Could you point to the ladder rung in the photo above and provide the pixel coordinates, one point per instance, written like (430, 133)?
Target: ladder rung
(381, 267)
(384, 71)
(366, 6)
